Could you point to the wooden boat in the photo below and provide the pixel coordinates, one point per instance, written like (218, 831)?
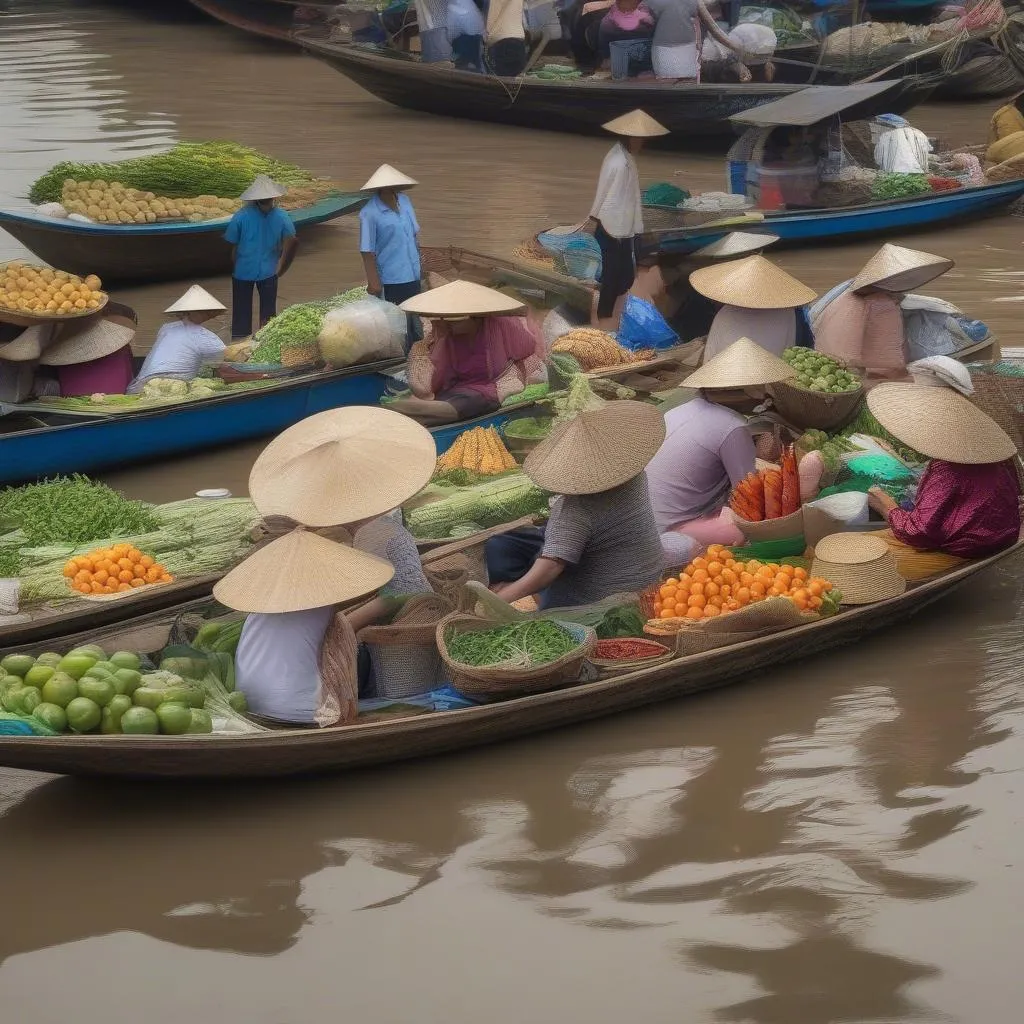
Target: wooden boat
(271, 19)
(148, 252)
(689, 110)
(294, 752)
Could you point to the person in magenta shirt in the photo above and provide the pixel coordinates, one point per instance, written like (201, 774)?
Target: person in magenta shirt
(93, 357)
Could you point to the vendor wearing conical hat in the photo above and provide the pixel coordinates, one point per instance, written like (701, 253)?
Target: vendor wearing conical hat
(759, 300)
(708, 450)
(483, 349)
(389, 242)
(967, 503)
(601, 538)
(616, 217)
(263, 245)
(863, 325)
(183, 345)
(93, 356)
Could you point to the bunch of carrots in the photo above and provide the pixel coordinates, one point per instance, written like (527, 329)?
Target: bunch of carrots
(769, 494)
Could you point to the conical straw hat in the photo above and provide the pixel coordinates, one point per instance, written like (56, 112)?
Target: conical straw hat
(860, 566)
(263, 188)
(93, 341)
(940, 423)
(636, 125)
(462, 298)
(343, 465)
(196, 300)
(900, 270)
(744, 364)
(387, 176)
(753, 283)
(597, 450)
(735, 244)
(300, 571)
(28, 345)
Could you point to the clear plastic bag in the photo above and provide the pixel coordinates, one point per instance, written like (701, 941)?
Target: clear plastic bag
(361, 332)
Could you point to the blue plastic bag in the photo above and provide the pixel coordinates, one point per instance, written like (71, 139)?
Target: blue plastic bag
(642, 326)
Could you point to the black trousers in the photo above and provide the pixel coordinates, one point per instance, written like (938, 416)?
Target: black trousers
(618, 269)
(241, 304)
(397, 294)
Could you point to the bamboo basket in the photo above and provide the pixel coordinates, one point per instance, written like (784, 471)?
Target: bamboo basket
(772, 529)
(22, 319)
(804, 408)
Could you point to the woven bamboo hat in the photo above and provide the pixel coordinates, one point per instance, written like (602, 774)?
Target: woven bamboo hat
(940, 423)
(597, 450)
(263, 188)
(734, 245)
(461, 299)
(30, 344)
(343, 465)
(860, 566)
(91, 341)
(196, 300)
(753, 283)
(744, 364)
(300, 571)
(387, 176)
(897, 269)
(635, 125)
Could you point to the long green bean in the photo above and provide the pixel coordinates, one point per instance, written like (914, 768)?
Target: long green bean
(521, 644)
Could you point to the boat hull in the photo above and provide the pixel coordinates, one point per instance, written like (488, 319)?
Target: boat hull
(271, 19)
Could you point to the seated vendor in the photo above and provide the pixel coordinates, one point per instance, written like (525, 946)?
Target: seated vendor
(708, 450)
(863, 324)
(183, 345)
(1006, 132)
(626, 19)
(93, 357)
(601, 538)
(968, 500)
(759, 300)
(482, 350)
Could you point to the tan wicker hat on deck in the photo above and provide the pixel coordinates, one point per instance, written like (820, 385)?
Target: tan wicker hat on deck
(597, 450)
(300, 571)
(462, 299)
(263, 188)
(635, 125)
(94, 340)
(940, 423)
(753, 283)
(744, 364)
(30, 344)
(387, 176)
(860, 566)
(342, 466)
(196, 300)
(734, 245)
(897, 269)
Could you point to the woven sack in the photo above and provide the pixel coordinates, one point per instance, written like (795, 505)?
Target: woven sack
(338, 701)
(448, 578)
(805, 408)
(300, 355)
(492, 682)
(772, 529)
(607, 667)
(404, 654)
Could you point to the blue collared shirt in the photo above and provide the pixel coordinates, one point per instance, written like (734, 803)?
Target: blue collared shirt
(391, 237)
(259, 237)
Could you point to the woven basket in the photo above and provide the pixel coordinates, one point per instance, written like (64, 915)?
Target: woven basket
(495, 683)
(805, 408)
(404, 654)
(607, 667)
(300, 355)
(772, 529)
(449, 577)
(1002, 398)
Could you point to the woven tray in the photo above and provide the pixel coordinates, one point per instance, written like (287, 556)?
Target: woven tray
(804, 408)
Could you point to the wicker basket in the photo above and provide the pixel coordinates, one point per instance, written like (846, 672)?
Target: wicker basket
(607, 667)
(493, 682)
(449, 577)
(1001, 396)
(772, 529)
(804, 408)
(300, 355)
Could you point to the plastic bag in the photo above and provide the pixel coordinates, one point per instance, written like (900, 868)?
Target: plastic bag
(643, 326)
(362, 332)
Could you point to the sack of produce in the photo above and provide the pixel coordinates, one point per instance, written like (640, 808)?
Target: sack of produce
(494, 661)
(643, 326)
(824, 394)
(767, 504)
(362, 332)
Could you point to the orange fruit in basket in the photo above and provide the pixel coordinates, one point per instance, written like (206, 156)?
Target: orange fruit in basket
(667, 613)
(125, 576)
(70, 568)
(711, 611)
(695, 613)
(137, 582)
(123, 587)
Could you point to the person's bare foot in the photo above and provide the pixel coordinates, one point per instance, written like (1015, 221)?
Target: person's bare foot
(769, 71)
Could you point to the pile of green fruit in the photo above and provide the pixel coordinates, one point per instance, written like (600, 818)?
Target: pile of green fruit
(818, 372)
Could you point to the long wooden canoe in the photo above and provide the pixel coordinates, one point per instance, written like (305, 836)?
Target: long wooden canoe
(271, 19)
(296, 752)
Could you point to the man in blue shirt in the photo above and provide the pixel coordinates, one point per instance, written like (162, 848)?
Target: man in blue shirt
(263, 243)
(389, 242)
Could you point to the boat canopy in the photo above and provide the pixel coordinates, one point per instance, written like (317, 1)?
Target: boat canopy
(813, 104)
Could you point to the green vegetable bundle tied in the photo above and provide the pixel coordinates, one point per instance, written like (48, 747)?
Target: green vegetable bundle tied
(899, 186)
(521, 645)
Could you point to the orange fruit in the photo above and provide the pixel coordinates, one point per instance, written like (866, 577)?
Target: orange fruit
(777, 590)
(714, 602)
(83, 562)
(757, 590)
(124, 563)
(139, 570)
(746, 578)
(100, 576)
(122, 587)
(667, 613)
(826, 586)
(699, 563)
(753, 565)
(166, 578)
(728, 576)
(153, 574)
(725, 590)
(712, 589)
(666, 590)
(125, 576)
(70, 569)
(784, 580)
(800, 574)
(742, 594)
(121, 549)
(83, 588)
(696, 601)
(701, 576)
(815, 588)
(137, 582)
(96, 588)
(134, 554)
(695, 613)
(714, 568)
(668, 606)
(83, 576)
(711, 611)
(697, 590)
(815, 603)
(732, 605)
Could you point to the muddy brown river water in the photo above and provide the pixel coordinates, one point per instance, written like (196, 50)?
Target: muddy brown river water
(836, 841)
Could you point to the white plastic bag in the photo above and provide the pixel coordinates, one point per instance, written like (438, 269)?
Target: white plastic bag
(361, 332)
(52, 210)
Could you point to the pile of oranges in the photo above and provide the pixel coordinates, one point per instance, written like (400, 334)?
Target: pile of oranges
(717, 584)
(114, 570)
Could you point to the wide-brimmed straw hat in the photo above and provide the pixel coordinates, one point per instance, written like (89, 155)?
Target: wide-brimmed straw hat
(387, 176)
(196, 300)
(342, 466)
(734, 245)
(753, 283)
(30, 344)
(263, 187)
(744, 364)
(635, 125)
(462, 299)
(300, 571)
(597, 450)
(860, 566)
(940, 423)
(898, 269)
(91, 341)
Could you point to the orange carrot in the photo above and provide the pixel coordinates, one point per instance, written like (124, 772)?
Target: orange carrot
(772, 494)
